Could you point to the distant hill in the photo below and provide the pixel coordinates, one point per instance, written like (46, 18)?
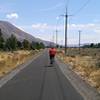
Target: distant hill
(8, 29)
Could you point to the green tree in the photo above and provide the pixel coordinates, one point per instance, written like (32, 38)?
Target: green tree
(37, 46)
(1, 40)
(57, 46)
(7, 44)
(92, 45)
(98, 45)
(19, 45)
(0, 32)
(42, 45)
(11, 43)
(33, 45)
(26, 44)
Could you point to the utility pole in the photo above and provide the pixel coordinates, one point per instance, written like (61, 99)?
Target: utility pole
(66, 28)
(79, 40)
(66, 38)
(53, 38)
(56, 37)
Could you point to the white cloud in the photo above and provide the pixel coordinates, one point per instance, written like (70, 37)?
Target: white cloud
(90, 32)
(12, 16)
(71, 27)
(44, 26)
(82, 26)
(40, 26)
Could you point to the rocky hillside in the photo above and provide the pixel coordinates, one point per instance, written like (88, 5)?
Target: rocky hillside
(8, 29)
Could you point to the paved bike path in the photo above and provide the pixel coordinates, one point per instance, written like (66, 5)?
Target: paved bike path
(39, 81)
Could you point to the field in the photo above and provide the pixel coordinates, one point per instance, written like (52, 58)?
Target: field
(9, 61)
(86, 63)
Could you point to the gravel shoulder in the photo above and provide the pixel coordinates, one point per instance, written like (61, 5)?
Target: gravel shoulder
(88, 92)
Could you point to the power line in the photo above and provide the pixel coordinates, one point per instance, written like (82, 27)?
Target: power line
(67, 4)
(82, 7)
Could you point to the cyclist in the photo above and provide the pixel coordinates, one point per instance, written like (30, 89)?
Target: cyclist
(52, 53)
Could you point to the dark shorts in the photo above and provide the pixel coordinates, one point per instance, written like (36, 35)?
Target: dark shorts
(52, 56)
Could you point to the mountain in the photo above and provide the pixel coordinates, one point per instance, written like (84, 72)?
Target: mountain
(7, 29)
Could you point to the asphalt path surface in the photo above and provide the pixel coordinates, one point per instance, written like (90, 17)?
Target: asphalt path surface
(39, 81)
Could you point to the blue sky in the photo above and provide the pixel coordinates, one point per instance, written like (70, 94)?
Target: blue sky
(40, 18)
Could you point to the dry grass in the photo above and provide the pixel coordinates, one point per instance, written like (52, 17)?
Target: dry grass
(86, 64)
(9, 61)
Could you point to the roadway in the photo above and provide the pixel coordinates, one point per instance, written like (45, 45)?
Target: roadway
(39, 81)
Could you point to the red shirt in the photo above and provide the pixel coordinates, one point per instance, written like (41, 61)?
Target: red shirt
(52, 51)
